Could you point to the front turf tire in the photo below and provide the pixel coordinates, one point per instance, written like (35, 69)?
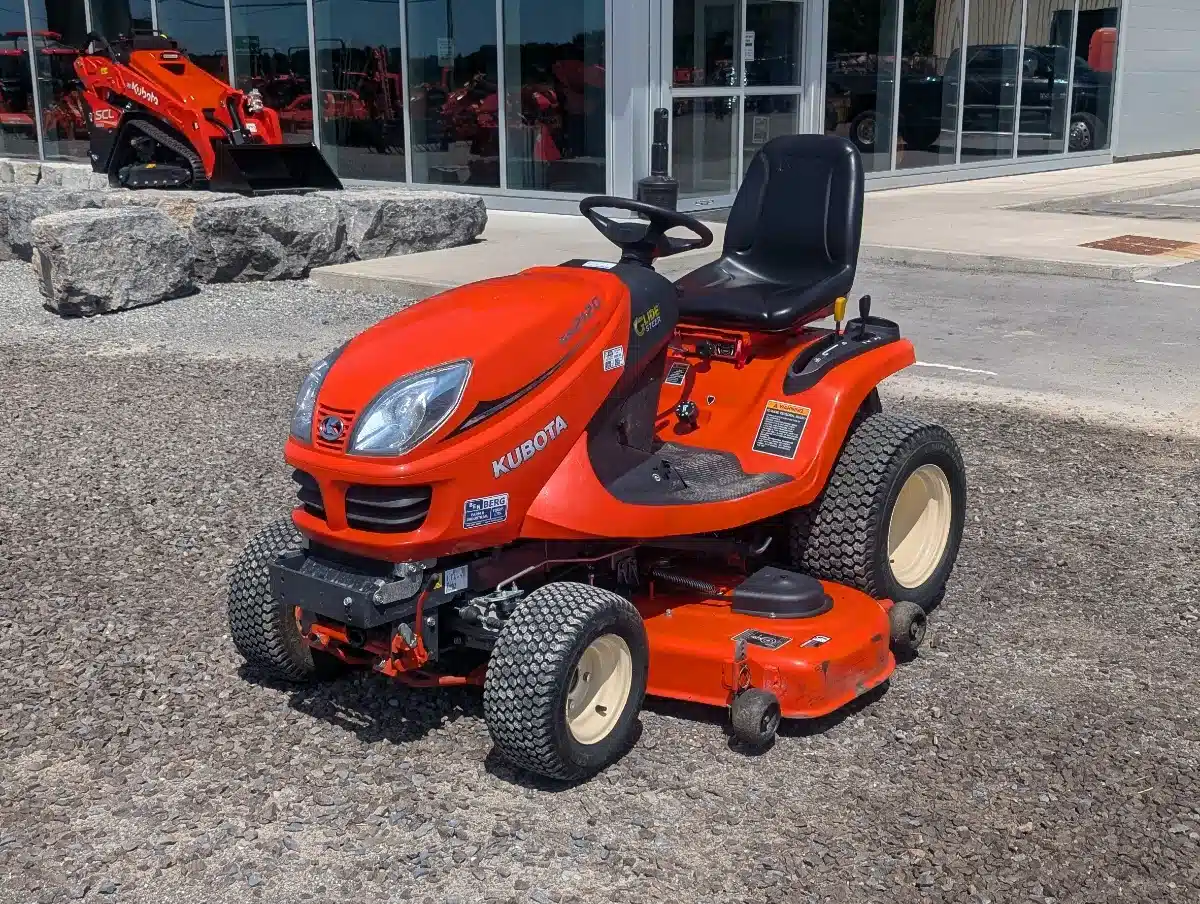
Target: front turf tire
(890, 520)
(566, 681)
(264, 630)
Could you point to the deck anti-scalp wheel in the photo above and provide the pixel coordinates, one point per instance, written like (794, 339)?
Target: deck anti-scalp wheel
(754, 717)
(265, 630)
(891, 517)
(566, 681)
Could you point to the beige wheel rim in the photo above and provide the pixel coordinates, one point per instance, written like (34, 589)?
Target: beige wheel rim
(599, 689)
(919, 528)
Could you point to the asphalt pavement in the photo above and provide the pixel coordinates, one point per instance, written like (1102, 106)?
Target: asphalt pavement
(1044, 747)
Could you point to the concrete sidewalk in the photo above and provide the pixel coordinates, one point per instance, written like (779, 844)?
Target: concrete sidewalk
(1007, 224)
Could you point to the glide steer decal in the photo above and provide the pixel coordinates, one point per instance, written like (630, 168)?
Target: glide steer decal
(529, 448)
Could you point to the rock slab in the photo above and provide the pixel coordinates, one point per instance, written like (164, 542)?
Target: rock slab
(21, 208)
(110, 259)
(387, 222)
(279, 237)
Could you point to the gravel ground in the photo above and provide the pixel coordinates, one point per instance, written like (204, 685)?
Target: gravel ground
(1045, 746)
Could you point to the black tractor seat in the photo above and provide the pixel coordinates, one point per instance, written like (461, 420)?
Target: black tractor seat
(791, 243)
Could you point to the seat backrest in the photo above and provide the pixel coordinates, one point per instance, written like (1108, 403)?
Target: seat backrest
(800, 206)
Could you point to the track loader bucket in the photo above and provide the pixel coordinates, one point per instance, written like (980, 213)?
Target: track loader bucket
(268, 169)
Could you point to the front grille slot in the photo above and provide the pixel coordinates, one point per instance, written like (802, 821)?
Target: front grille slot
(387, 509)
(308, 492)
(345, 416)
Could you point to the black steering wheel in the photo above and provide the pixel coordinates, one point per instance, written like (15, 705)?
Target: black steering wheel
(643, 243)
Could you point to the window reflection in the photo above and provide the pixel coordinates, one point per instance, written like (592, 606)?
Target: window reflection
(860, 68)
(59, 30)
(1044, 82)
(706, 33)
(112, 18)
(199, 29)
(990, 89)
(271, 53)
(18, 135)
(767, 117)
(453, 99)
(772, 42)
(360, 83)
(929, 75)
(703, 144)
(1095, 63)
(554, 94)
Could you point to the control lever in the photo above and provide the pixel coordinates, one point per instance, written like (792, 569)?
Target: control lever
(864, 314)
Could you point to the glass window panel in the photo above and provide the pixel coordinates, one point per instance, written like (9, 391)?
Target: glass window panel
(453, 101)
(360, 82)
(59, 30)
(703, 145)
(111, 18)
(18, 135)
(929, 75)
(772, 44)
(990, 92)
(1044, 81)
(860, 69)
(1095, 63)
(554, 94)
(706, 43)
(199, 28)
(767, 117)
(270, 49)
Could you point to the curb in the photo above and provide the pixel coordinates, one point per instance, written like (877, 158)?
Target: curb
(998, 263)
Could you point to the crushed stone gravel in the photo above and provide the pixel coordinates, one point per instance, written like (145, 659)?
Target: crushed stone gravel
(1044, 747)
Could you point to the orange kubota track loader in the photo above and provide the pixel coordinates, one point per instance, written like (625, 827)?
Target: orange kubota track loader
(582, 484)
(160, 121)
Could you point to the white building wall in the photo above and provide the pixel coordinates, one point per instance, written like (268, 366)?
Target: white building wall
(1159, 108)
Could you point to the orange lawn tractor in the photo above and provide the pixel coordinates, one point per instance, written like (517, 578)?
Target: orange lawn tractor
(159, 121)
(582, 484)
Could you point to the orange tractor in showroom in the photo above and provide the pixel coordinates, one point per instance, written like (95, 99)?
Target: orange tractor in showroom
(581, 484)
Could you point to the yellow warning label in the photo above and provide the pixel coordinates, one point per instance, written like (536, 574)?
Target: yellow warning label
(781, 428)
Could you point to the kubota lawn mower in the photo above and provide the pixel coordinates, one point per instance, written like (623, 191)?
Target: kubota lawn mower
(157, 120)
(581, 484)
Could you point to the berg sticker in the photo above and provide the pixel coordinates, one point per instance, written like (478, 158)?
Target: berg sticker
(614, 358)
(818, 640)
(485, 510)
(455, 579)
(781, 428)
(676, 373)
(599, 265)
(762, 639)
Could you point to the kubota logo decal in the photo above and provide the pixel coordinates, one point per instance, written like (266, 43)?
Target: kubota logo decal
(529, 448)
(144, 93)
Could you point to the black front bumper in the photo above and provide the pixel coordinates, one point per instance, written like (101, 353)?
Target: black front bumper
(361, 598)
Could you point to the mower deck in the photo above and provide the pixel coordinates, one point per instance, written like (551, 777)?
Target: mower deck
(814, 665)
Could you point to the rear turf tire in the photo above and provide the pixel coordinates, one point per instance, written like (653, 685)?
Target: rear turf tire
(566, 681)
(264, 630)
(891, 517)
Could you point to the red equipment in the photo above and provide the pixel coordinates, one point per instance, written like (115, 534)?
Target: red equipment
(160, 121)
(580, 484)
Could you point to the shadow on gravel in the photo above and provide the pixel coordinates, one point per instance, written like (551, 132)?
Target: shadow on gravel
(375, 708)
(788, 728)
(497, 766)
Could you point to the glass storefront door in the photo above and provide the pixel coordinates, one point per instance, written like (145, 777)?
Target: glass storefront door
(736, 80)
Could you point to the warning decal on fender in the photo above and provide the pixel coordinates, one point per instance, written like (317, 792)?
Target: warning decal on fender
(762, 639)
(676, 373)
(780, 429)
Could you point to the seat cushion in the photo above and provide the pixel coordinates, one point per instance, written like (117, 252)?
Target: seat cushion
(722, 294)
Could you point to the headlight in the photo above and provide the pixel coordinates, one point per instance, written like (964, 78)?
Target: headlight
(306, 398)
(410, 410)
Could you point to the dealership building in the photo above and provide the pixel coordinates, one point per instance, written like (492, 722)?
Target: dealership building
(538, 102)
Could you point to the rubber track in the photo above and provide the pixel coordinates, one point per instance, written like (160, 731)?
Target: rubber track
(256, 620)
(521, 694)
(832, 539)
(182, 148)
